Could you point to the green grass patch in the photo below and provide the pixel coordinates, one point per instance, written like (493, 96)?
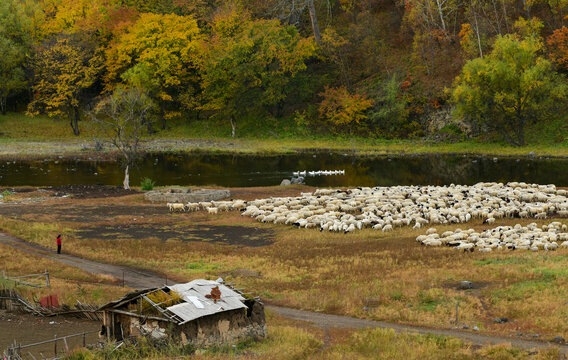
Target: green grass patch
(200, 266)
(502, 261)
(428, 301)
(524, 289)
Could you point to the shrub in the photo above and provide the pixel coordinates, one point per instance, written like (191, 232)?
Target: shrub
(342, 109)
(147, 184)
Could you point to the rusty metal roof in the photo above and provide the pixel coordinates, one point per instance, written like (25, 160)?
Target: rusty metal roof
(196, 303)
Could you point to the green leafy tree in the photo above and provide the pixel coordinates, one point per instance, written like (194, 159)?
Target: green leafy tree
(16, 30)
(511, 87)
(387, 113)
(64, 70)
(12, 75)
(249, 63)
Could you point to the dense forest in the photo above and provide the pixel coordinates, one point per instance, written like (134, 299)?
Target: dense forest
(377, 68)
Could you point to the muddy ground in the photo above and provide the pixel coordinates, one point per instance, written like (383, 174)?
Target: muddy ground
(133, 218)
(28, 329)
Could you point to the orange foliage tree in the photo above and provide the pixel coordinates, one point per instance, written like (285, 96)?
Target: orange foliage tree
(558, 47)
(342, 109)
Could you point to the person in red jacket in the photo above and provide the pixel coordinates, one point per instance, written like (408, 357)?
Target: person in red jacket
(59, 244)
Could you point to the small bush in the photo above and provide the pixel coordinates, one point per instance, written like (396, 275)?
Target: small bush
(147, 184)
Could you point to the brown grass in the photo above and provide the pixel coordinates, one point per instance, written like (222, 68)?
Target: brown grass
(69, 283)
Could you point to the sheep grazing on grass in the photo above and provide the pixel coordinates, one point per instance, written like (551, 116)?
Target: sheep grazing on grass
(192, 206)
(517, 237)
(213, 210)
(176, 207)
(417, 206)
(386, 208)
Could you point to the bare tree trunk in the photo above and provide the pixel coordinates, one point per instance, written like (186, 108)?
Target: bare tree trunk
(497, 17)
(441, 13)
(505, 15)
(314, 18)
(478, 37)
(3, 104)
(75, 120)
(149, 125)
(126, 182)
(233, 126)
(163, 115)
(527, 5)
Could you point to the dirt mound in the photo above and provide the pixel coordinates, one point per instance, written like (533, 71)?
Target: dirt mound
(90, 191)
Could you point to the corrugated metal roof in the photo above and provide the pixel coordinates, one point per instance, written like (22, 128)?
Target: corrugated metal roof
(197, 305)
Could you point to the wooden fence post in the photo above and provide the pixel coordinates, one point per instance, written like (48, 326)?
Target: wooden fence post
(457, 310)
(47, 278)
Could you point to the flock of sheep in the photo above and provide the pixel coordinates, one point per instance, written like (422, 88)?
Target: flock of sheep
(530, 237)
(384, 208)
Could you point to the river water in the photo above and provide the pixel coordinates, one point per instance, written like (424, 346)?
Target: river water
(248, 170)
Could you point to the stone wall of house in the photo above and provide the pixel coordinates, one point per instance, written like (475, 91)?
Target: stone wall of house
(226, 327)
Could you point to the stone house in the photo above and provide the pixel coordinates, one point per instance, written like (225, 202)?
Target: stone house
(200, 312)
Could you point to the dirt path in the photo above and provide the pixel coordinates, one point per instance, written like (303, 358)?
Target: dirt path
(143, 279)
(133, 278)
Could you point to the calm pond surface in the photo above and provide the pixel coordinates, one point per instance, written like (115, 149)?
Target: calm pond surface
(247, 170)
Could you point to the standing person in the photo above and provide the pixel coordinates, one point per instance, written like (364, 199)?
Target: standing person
(59, 244)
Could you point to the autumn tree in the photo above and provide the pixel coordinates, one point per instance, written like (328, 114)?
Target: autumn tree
(510, 88)
(558, 47)
(65, 69)
(249, 63)
(160, 53)
(120, 117)
(343, 110)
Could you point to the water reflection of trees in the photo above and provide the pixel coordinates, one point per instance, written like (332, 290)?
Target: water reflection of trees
(246, 170)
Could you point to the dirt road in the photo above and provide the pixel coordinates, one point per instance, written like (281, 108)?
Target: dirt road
(134, 278)
(143, 279)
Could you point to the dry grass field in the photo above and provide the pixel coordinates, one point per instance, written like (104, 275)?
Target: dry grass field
(366, 274)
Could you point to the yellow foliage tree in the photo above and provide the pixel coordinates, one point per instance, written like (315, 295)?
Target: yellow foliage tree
(64, 68)
(159, 53)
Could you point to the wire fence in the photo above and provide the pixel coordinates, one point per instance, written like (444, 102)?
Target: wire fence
(20, 352)
(32, 280)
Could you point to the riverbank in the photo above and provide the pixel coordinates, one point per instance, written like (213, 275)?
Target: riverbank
(23, 137)
(83, 148)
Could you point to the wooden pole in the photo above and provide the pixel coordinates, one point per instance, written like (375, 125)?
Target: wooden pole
(55, 346)
(47, 278)
(457, 309)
